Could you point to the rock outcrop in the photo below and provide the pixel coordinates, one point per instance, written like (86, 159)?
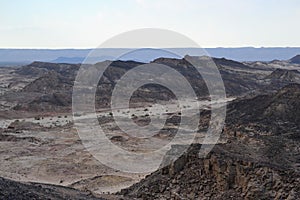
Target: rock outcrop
(221, 175)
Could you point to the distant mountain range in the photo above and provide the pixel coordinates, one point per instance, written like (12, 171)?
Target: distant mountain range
(25, 56)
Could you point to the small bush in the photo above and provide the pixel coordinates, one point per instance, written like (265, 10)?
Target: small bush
(37, 118)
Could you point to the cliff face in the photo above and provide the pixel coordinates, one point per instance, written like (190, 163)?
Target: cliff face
(221, 175)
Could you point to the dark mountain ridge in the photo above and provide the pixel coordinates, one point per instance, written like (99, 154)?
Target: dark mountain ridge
(239, 80)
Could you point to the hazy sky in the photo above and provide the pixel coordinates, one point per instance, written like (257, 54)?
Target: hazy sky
(87, 23)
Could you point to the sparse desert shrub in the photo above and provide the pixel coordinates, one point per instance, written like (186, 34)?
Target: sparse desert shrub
(37, 118)
(133, 116)
(77, 114)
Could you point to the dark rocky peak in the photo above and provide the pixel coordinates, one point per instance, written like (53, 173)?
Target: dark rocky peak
(50, 81)
(285, 75)
(40, 68)
(125, 64)
(220, 62)
(173, 62)
(295, 60)
(231, 63)
(118, 64)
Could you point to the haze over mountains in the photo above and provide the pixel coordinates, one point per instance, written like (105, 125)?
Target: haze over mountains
(26, 56)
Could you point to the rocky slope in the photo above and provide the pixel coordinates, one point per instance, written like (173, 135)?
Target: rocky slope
(224, 174)
(12, 190)
(282, 77)
(279, 112)
(295, 60)
(260, 159)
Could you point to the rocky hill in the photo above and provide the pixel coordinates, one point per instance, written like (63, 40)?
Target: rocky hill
(237, 79)
(54, 80)
(295, 60)
(40, 68)
(12, 190)
(49, 82)
(279, 111)
(52, 89)
(283, 75)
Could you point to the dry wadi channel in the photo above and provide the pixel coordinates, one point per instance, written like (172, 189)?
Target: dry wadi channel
(47, 149)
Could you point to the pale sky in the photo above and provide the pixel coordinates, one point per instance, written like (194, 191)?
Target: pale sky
(88, 23)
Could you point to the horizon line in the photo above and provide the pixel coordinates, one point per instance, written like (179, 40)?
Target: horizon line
(91, 48)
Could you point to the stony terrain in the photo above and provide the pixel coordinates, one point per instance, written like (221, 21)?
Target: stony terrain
(257, 156)
(223, 174)
(260, 159)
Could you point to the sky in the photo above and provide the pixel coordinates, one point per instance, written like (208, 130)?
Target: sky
(88, 23)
